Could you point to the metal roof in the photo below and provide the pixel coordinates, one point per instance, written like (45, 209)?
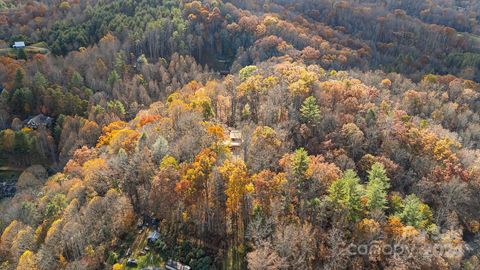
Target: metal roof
(153, 235)
(235, 134)
(174, 265)
(40, 119)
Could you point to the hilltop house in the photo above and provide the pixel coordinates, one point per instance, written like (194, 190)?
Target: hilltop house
(223, 65)
(234, 142)
(39, 120)
(19, 45)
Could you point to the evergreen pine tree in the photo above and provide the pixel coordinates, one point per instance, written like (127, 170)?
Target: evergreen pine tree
(347, 192)
(378, 172)
(77, 80)
(310, 111)
(19, 77)
(377, 187)
(415, 213)
(300, 162)
(21, 54)
(39, 81)
(113, 78)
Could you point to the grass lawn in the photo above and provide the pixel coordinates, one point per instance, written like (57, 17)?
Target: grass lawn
(11, 52)
(150, 259)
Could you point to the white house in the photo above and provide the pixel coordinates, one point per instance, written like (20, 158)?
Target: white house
(174, 265)
(18, 44)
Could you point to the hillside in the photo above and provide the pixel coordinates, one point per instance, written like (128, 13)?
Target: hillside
(241, 134)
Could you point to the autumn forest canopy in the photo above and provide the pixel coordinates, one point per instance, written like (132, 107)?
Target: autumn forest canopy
(239, 134)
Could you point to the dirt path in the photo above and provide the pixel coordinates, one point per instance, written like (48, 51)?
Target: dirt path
(139, 242)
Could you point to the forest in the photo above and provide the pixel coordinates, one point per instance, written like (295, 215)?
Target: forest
(239, 134)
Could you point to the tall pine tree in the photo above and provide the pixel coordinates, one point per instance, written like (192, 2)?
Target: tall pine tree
(310, 111)
(346, 192)
(377, 187)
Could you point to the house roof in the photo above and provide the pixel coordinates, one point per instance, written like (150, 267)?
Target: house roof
(171, 264)
(235, 144)
(154, 235)
(236, 134)
(40, 119)
(19, 44)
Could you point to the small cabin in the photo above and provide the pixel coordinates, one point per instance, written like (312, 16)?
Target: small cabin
(235, 138)
(18, 45)
(39, 120)
(174, 265)
(223, 64)
(234, 142)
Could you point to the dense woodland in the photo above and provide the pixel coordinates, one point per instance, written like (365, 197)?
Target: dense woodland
(360, 124)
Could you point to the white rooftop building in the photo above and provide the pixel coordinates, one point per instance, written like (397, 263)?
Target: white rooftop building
(19, 44)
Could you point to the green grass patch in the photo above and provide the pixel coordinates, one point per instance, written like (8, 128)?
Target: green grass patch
(150, 259)
(29, 50)
(7, 52)
(34, 50)
(41, 44)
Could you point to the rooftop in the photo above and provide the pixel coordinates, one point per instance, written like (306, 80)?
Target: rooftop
(236, 134)
(40, 119)
(174, 265)
(153, 236)
(19, 44)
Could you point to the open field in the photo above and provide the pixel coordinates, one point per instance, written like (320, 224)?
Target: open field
(30, 50)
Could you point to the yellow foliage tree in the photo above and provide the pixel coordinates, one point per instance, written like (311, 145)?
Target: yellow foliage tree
(27, 261)
(302, 86)
(195, 184)
(265, 134)
(124, 138)
(118, 266)
(8, 140)
(92, 166)
(239, 184)
(108, 132)
(203, 104)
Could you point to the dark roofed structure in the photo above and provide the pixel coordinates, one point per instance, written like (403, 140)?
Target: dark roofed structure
(132, 262)
(40, 120)
(223, 64)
